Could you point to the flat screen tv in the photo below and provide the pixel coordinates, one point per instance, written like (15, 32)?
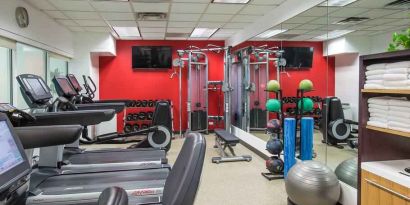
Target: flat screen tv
(298, 57)
(151, 57)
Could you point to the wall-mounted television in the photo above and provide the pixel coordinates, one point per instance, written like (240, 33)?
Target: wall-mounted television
(298, 57)
(151, 57)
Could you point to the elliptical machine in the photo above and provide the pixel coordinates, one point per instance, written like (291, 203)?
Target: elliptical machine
(335, 128)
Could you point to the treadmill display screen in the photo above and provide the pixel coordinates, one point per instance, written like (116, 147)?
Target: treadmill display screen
(66, 87)
(75, 83)
(36, 86)
(10, 155)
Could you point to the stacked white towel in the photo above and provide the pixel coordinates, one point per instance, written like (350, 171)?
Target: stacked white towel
(388, 76)
(389, 112)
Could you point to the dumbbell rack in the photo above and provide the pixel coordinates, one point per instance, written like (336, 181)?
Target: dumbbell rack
(316, 115)
(269, 175)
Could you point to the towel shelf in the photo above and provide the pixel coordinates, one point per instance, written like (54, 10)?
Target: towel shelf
(390, 131)
(386, 91)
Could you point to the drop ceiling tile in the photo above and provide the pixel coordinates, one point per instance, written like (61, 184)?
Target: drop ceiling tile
(333, 27)
(175, 38)
(150, 7)
(41, 4)
(210, 24)
(56, 14)
(107, 6)
(153, 36)
(370, 3)
(184, 17)
(197, 39)
(123, 23)
(235, 25)
(179, 30)
(402, 22)
(300, 19)
(377, 13)
(303, 37)
(383, 27)
(245, 18)
(287, 26)
(315, 11)
(309, 26)
(152, 23)
(376, 22)
(267, 2)
(188, 8)
(222, 35)
(218, 38)
(91, 23)
(256, 9)
(66, 22)
(216, 17)
(99, 29)
(228, 31)
(359, 27)
(181, 24)
(192, 1)
(296, 31)
(320, 20)
(316, 32)
(399, 15)
(117, 16)
(224, 8)
(348, 12)
(360, 33)
(82, 15)
(72, 5)
(152, 30)
(75, 28)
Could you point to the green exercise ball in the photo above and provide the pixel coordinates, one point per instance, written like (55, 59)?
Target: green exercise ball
(307, 104)
(306, 85)
(273, 105)
(273, 86)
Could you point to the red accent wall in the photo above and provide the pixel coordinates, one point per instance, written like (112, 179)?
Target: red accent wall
(119, 81)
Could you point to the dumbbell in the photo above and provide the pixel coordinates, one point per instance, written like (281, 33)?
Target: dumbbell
(256, 103)
(135, 117)
(136, 127)
(144, 103)
(294, 99)
(127, 128)
(137, 103)
(129, 117)
(150, 115)
(150, 103)
(142, 115)
(144, 126)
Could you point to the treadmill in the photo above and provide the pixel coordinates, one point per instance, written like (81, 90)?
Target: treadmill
(142, 187)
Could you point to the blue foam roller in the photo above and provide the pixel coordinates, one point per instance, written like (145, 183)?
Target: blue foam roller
(307, 125)
(289, 144)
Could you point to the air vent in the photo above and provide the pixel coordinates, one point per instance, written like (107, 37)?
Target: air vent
(399, 4)
(177, 35)
(151, 16)
(351, 21)
(286, 36)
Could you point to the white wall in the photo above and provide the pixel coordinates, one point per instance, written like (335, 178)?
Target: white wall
(42, 32)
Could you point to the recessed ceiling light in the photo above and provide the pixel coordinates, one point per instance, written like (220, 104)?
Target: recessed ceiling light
(270, 33)
(127, 31)
(231, 1)
(337, 2)
(333, 34)
(203, 32)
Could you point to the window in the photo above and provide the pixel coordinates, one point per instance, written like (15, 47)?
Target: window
(29, 60)
(5, 77)
(57, 65)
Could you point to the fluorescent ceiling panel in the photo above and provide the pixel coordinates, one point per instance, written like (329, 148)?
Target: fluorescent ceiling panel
(203, 32)
(127, 31)
(270, 33)
(338, 3)
(333, 34)
(231, 1)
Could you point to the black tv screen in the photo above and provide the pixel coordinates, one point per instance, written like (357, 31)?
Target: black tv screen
(157, 57)
(298, 57)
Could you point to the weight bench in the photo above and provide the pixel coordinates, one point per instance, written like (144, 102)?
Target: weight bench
(223, 140)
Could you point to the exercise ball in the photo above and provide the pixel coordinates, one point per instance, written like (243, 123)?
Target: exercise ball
(274, 146)
(273, 105)
(306, 85)
(312, 183)
(273, 126)
(273, 86)
(307, 104)
(274, 165)
(347, 172)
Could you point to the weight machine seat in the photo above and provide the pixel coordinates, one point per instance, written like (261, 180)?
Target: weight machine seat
(118, 107)
(84, 118)
(226, 136)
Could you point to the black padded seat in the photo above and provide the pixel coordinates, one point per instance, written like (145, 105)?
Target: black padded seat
(226, 136)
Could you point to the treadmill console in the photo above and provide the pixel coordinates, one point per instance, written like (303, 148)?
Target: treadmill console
(74, 82)
(64, 87)
(14, 166)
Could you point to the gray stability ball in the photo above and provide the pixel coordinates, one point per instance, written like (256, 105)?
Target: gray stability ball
(347, 172)
(312, 183)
